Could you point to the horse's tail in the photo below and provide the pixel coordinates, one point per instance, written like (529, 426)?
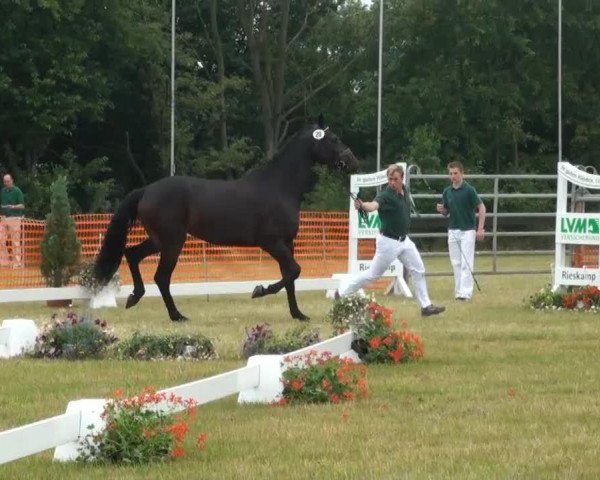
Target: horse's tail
(113, 245)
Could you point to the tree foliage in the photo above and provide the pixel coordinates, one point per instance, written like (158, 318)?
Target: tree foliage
(85, 87)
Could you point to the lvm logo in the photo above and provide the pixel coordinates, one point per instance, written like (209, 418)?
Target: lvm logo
(580, 226)
(372, 221)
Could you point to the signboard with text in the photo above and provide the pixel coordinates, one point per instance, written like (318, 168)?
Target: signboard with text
(574, 228)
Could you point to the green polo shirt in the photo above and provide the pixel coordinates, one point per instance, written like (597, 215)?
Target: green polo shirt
(461, 203)
(14, 196)
(394, 212)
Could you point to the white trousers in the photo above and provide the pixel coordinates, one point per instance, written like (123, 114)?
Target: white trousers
(462, 263)
(386, 251)
(10, 228)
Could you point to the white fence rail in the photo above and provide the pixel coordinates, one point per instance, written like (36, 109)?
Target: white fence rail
(259, 381)
(219, 386)
(177, 289)
(39, 436)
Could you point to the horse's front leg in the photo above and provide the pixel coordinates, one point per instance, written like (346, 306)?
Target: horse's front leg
(282, 252)
(290, 289)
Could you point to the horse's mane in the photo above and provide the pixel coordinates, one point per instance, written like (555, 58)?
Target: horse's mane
(281, 154)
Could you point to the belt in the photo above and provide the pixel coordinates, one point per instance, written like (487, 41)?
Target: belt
(401, 238)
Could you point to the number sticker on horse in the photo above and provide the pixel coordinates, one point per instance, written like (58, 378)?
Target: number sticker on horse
(318, 134)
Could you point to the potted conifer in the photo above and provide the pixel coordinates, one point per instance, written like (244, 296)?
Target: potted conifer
(60, 246)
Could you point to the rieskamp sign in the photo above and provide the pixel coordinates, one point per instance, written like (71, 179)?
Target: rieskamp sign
(579, 276)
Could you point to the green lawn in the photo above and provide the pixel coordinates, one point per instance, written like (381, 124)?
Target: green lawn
(503, 392)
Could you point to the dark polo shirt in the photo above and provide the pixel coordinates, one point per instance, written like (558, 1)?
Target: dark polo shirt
(461, 203)
(14, 196)
(394, 212)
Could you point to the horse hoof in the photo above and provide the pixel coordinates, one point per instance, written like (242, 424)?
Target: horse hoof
(259, 291)
(132, 300)
(178, 317)
(300, 316)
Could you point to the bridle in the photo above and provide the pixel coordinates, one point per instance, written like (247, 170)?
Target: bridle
(341, 163)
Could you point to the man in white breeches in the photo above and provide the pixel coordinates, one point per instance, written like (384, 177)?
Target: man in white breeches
(393, 205)
(459, 202)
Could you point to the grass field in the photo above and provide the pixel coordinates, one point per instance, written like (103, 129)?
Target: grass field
(503, 392)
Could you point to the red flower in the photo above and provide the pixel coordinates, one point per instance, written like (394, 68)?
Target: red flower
(201, 441)
(118, 393)
(375, 342)
(178, 430)
(297, 384)
(396, 355)
(178, 452)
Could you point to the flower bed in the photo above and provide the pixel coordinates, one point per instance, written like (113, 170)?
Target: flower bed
(376, 340)
(584, 299)
(320, 378)
(148, 427)
(86, 277)
(75, 337)
(261, 340)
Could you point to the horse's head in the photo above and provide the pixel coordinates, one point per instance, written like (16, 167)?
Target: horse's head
(329, 150)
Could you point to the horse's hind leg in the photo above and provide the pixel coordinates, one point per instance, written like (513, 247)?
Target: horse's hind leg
(134, 256)
(290, 271)
(168, 260)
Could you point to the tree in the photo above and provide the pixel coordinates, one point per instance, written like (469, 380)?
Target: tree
(287, 68)
(48, 79)
(60, 246)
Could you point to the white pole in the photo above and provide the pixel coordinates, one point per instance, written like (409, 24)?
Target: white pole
(173, 87)
(560, 80)
(380, 83)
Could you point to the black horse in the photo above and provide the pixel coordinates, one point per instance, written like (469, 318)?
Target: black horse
(261, 209)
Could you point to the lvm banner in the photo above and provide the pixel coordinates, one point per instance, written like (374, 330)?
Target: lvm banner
(369, 227)
(578, 228)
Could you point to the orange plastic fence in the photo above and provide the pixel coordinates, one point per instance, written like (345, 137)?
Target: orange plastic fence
(321, 249)
(585, 256)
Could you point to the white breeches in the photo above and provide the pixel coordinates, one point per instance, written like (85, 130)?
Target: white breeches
(386, 251)
(462, 263)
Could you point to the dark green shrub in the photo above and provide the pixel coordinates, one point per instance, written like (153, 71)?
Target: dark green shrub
(142, 346)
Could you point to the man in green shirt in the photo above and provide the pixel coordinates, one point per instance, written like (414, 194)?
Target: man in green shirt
(393, 204)
(12, 210)
(459, 202)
